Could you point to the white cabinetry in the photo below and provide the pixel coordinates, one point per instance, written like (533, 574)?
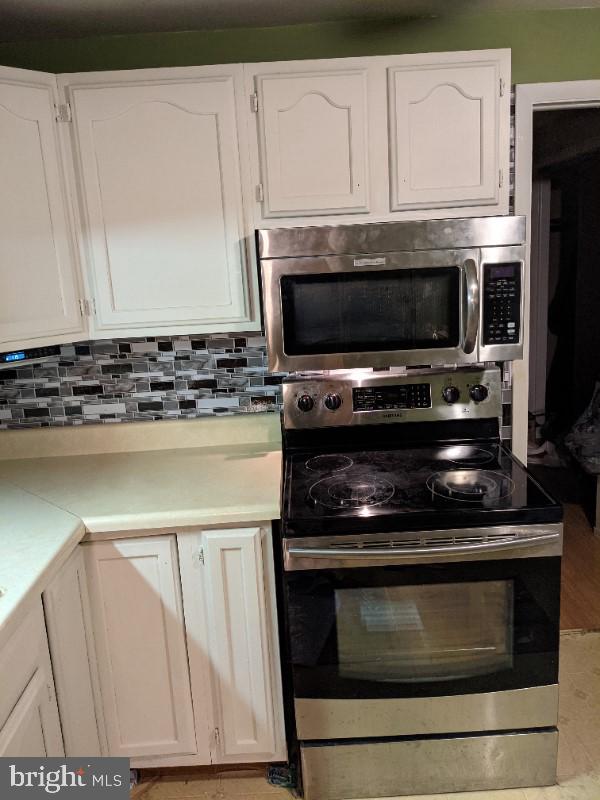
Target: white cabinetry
(68, 622)
(384, 138)
(448, 143)
(140, 640)
(227, 579)
(39, 300)
(29, 722)
(314, 140)
(160, 174)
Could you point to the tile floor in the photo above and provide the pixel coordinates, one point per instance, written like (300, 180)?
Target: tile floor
(578, 761)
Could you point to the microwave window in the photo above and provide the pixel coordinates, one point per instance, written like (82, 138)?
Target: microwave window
(441, 632)
(406, 309)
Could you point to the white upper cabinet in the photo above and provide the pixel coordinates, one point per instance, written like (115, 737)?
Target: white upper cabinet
(39, 300)
(448, 124)
(313, 139)
(158, 161)
(379, 139)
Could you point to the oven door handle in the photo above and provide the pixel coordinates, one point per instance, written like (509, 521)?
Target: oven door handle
(397, 553)
(472, 302)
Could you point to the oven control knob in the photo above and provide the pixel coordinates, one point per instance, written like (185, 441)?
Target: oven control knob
(450, 394)
(478, 393)
(333, 401)
(305, 402)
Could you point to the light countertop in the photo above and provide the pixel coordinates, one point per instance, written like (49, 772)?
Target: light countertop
(48, 504)
(159, 489)
(35, 537)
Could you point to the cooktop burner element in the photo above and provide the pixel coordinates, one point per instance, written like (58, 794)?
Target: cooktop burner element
(466, 455)
(470, 486)
(334, 492)
(333, 463)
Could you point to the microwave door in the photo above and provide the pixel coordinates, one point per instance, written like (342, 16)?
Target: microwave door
(391, 309)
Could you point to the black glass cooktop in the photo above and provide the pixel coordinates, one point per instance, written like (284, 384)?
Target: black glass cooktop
(410, 488)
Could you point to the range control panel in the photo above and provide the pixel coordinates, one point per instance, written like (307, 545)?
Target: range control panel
(363, 398)
(502, 303)
(378, 398)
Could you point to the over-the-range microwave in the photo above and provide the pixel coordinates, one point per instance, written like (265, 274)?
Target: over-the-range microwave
(393, 293)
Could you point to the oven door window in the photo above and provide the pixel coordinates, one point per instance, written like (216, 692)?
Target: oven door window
(441, 632)
(404, 309)
(424, 630)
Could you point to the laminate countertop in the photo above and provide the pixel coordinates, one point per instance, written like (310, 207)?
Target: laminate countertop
(48, 504)
(35, 539)
(160, 489)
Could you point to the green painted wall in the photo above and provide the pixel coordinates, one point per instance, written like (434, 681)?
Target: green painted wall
(546, 45)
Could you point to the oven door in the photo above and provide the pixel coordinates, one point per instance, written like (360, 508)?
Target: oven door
(409, 649)
(390, 309)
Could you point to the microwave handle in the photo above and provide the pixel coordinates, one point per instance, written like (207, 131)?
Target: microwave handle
(472, 293)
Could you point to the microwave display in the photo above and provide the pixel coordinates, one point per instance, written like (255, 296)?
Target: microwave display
(378, 398)
(340, 312)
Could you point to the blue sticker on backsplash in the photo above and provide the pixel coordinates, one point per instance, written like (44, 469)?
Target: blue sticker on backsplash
(129, 380)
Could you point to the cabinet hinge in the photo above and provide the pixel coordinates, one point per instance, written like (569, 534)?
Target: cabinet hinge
(87, 307)
(500, 178)
(254, 102)
(260, 195)
(217, 736)
(50, 693)
(502, 84)
(198, 557)
(63, 112)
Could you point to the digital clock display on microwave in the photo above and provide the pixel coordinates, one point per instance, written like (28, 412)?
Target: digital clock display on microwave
(20, 356)
(380, 398)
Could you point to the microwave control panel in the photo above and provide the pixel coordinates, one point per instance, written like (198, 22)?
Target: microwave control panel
(502, 303)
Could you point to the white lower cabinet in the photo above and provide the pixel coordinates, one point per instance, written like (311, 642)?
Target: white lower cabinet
(68, 622)
(229, 597)
(185, 631)
(29, 721)
(137, 614)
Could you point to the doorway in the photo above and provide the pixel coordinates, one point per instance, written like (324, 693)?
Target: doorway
(556, 405)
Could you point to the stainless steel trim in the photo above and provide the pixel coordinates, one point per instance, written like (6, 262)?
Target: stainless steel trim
(422, 547)
(535, 707)
(279, 360)
(398, 553)
(472, 315)
(385, 237)
(427, 766)
(317, 386)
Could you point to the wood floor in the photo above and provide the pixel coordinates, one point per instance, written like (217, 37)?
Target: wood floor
(580, 584)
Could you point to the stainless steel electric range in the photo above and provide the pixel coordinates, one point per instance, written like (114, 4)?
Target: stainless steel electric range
(420, 580)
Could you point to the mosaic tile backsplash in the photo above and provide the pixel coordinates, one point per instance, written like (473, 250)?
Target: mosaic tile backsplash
(126, 380)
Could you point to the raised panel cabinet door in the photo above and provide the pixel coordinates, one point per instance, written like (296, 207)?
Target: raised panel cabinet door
(39, 300)
(159, 165)
(68, 622)
(446, 131)
(313, 142)
(33, 728)
(139, 635)
(29, 721)
(241, 643)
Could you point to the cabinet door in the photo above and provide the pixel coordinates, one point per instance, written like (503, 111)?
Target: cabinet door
(159, 164)
(449, 125)
(242, 641)
(33, 728)
(68, 621)
(39, 301)
(29, 722)
(313, 142)
(139, 635)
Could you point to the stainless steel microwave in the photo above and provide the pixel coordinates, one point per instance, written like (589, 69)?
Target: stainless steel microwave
(393, 293)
